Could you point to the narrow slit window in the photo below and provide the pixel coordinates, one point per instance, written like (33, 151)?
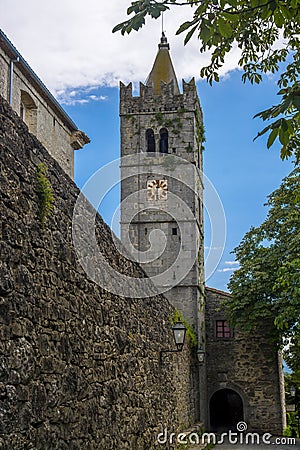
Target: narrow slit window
(163, 141)
(150, 140)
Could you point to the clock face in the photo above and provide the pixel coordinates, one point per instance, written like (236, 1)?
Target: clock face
(157, 190)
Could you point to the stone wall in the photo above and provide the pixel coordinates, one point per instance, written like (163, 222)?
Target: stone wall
(79, 366)
(248, 365)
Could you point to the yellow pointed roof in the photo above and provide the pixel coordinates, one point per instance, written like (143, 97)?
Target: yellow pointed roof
(162, 69)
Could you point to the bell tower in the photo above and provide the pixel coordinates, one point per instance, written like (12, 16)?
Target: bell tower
(161, 188)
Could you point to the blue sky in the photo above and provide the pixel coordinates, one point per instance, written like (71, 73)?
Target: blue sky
(83, 71)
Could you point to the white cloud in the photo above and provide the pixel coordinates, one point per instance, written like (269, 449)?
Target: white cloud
(70, 44)
(230, 268)
(227, 269)
(97, 98)
(79, 96)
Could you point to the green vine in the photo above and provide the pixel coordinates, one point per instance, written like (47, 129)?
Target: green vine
(159, 118)
(190, 332)
(200, 132)
(168, 123)
(179, 123)
(175, 123)
(44, 192)
(189, 148)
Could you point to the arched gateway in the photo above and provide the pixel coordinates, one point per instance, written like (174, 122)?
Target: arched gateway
(226, 410)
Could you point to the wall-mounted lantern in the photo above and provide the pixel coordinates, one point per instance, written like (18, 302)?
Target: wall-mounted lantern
(200, 355)
(179, 331)
(293, 391)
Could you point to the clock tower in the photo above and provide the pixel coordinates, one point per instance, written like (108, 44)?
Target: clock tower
(161, 188)
(162, 193)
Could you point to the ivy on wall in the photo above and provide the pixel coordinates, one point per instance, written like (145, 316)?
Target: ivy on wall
(44, 192)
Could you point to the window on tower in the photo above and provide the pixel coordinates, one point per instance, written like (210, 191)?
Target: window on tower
(150, 140)
(163, 141)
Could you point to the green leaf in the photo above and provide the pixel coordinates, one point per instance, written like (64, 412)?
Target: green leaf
(282, 92)
(283, 136)
(118, 27)
(266, 13)
(133, 8)
(225, 28)
(278, 18)
(155, 13)
(286, 12)
(262, 132)
(272, 137)
(185, 26)
(296, 102)
(205, 34)
(190, 34)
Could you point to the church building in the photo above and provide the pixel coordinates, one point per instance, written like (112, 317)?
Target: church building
(241, 376)
(241, 379)
(38, 108)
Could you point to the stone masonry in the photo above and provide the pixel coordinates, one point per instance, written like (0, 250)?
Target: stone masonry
(38, 108)
(181, 115)
(79, 367)
(248, 365)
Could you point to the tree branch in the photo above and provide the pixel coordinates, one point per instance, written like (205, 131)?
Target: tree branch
(228, 11)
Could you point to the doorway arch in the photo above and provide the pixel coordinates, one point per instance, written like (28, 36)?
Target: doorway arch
(226, 410)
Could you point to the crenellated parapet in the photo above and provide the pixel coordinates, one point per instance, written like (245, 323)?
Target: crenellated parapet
(168, 100)
(191, 99)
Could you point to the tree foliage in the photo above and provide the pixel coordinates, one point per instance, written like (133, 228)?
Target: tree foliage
(267, 33)
(267, 284)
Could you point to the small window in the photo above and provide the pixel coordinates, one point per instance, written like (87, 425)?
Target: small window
(163, 141)
(223, 330)
(150, 140)
(174, 231)
(28, 111)
(146, 231)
